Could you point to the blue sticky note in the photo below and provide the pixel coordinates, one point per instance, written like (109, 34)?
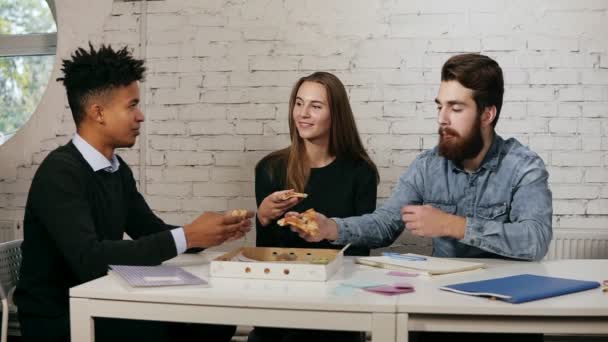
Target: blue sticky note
(342, 290)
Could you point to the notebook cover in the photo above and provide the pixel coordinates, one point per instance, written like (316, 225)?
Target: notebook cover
(151, 276)
(522, 288)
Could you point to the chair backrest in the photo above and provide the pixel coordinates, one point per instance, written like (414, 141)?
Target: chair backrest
(10, 262)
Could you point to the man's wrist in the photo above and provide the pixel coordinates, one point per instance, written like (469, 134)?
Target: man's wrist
(457, 226)
(333, 230)
(187, 234)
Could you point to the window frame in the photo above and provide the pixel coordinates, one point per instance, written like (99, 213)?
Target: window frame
(37, 44)
(33, 44)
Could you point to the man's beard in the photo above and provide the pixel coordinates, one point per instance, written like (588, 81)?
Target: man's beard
(459, 148)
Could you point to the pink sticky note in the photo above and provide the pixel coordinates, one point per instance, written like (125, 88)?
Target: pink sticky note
(391, 290)
(382, 293)
(402, 274)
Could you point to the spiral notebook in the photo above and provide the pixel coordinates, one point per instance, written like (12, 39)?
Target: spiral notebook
(151, 276)
(522, 288)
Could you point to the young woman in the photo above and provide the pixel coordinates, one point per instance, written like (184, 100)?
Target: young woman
(325, 160)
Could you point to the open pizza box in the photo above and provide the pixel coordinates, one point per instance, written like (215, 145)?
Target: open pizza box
(278, 263)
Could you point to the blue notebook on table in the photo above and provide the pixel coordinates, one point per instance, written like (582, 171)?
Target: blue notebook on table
(522, 288)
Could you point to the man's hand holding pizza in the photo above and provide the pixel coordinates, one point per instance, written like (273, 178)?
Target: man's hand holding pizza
(326, 228)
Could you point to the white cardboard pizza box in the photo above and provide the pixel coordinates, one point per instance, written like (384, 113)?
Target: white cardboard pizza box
(278, 263)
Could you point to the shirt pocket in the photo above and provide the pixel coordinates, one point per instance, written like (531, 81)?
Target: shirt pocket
(494, 212)
(445, 207)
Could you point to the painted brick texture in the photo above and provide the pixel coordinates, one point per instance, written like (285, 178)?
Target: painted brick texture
(220, 74)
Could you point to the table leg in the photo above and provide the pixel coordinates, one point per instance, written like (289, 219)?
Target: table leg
(383, 327)
(82, 326)
(402, 330)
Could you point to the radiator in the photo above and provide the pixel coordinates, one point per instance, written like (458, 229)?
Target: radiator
(578, 246)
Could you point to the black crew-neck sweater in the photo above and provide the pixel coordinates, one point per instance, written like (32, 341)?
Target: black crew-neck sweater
(73, 229)
(343, 188)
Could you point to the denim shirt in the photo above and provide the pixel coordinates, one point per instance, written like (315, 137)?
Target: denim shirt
(506, 202)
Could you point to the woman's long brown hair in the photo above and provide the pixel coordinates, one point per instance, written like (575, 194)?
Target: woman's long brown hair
(344, 140)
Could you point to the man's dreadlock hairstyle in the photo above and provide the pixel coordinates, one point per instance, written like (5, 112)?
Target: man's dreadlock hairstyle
(92, 73)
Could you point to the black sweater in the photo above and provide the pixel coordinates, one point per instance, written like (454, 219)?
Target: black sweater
(73, 229)
(341, 189)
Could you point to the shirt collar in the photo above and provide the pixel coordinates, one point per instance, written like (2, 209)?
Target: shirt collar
(96, 160)
(491, 159)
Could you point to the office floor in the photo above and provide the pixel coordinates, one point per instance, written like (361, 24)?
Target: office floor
(576, 338)
(243, 338)
(546, 339)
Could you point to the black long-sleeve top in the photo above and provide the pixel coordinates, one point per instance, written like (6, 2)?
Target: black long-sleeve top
(74, 223)
(343, 188)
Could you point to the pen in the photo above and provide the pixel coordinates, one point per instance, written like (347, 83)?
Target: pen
(404, 256)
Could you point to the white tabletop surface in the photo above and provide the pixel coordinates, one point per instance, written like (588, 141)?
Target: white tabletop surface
(330, 296)
(276, 294)
(429, 299)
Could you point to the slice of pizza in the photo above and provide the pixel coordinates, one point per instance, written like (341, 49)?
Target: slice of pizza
(292, 194)
(239, 212)
(306, 222)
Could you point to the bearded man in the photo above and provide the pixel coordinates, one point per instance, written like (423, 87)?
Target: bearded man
(476, 194)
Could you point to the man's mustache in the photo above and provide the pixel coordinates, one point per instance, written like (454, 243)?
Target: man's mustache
(448, 131)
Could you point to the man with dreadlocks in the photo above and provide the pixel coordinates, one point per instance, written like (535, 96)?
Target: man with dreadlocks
(82, 200)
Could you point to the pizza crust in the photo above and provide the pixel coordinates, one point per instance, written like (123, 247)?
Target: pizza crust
(239, 212)
(291, 194)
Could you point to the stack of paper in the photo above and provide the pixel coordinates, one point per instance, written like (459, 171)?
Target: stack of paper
(420, 264)
(149, 276)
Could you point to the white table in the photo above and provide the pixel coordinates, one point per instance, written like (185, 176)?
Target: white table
(289, 304)
(312, 305)
(431, 309)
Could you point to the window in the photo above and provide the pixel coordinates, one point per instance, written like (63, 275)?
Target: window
(28, 41)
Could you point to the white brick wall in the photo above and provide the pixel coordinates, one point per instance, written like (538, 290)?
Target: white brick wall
(220, 73)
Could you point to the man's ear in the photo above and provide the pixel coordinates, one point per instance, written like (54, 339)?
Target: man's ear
(95, 113)
(488, 116)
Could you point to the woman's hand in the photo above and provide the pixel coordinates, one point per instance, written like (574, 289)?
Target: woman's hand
(274, 206)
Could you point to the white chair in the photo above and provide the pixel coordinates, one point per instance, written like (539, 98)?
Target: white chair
(10, 262)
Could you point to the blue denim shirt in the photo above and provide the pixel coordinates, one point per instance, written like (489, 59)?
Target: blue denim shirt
(506, 201)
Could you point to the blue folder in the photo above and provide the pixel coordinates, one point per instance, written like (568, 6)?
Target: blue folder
(522, 288)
